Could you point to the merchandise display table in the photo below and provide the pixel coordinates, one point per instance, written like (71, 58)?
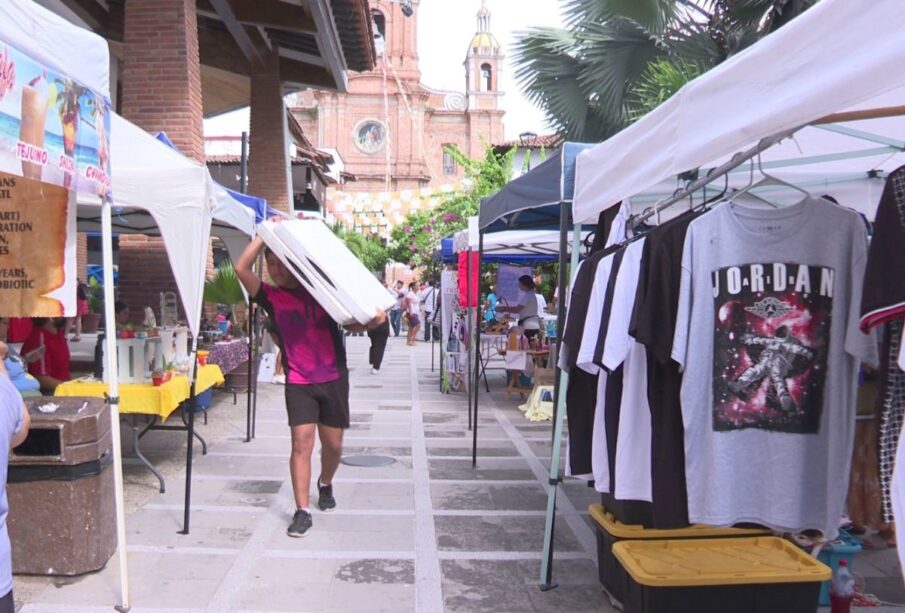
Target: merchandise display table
(514, 376)
(228, 354)
(155, 403)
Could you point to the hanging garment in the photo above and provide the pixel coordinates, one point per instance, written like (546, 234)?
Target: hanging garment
(864, 501)
(892, 414)
(653, 325)
(767, 334)
(883, 298)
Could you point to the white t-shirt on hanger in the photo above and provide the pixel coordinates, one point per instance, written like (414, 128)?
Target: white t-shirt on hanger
(633, 452)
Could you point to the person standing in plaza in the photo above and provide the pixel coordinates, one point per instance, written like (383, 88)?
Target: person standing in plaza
(413, 310)
(428, 298)
(396, 311)
(317, 379)
(14, 424)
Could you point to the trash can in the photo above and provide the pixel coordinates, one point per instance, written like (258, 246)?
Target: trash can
(62, 516)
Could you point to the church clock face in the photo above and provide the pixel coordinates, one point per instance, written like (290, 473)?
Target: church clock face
(369, 136)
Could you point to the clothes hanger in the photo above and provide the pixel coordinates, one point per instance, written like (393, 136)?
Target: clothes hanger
(766, 180)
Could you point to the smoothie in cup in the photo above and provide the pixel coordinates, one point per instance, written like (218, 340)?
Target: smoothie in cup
(34, 116)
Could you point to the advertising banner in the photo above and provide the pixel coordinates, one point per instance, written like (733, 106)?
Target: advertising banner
(507, 290)
(37, 249)
(52, 129)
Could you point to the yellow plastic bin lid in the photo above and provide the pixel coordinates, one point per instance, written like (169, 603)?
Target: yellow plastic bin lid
(632, 531)
(729, 561)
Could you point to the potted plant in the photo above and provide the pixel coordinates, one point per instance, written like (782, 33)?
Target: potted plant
(157, 378)
(224, 288)
(169, 369)
(95, 291)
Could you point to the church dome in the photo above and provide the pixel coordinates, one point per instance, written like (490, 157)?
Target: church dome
(484, 40)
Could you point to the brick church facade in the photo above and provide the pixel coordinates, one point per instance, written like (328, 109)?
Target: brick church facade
(390, 129)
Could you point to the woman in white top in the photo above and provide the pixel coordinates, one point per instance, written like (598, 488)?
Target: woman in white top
(526, 308)
(413, 308)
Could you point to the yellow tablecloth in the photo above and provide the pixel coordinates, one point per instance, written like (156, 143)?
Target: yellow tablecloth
(144, 397)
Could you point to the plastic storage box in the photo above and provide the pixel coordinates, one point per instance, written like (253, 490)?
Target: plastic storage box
(611, 531)
(327, 269)
(742, 575)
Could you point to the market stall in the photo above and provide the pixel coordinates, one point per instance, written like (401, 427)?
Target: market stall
(44, 55)
(827, 122)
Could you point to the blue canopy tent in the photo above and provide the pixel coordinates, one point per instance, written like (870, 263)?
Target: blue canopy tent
(539, 199)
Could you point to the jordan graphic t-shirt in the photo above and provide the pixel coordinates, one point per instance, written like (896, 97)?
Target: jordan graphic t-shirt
(311, 347)
(767, 332)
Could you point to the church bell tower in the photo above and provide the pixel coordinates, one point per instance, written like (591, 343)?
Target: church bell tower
(482, 65)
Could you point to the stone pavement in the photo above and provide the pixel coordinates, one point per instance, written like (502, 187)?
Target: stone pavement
(427, 533)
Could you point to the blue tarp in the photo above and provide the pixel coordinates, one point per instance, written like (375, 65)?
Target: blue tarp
(532, 201)
(258, 205)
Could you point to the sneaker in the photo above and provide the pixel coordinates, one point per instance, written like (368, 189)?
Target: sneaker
(375, 371)
(301, 523)
(279, 379)
(325, 500)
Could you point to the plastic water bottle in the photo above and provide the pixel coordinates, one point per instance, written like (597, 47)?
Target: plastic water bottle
(842, 589)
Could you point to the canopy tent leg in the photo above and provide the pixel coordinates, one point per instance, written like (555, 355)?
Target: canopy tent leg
(468, 330)
(559, 397)
(191, 441)
(477, 352)
(113, 400)
(251, 357)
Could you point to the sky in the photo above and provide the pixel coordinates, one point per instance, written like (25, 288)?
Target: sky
(445, 29)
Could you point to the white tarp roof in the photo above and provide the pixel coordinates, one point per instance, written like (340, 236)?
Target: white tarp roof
(178, 193)
(838, 56)
(516, 242)
(511, 242)
(56, 43)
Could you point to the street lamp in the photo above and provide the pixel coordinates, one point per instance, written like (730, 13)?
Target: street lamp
(527, 139)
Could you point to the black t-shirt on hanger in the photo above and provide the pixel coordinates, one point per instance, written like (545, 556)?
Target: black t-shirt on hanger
(653, 325)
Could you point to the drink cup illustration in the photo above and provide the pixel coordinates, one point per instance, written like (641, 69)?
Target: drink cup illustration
(34, 115)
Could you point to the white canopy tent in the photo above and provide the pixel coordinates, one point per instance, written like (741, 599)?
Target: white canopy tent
(83, 56)
(838, 62)
(56, 43)
(149, 178)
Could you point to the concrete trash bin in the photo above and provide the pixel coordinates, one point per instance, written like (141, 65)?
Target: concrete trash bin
(62, 516)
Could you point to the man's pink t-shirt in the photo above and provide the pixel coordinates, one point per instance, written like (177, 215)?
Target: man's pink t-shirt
(306, 334)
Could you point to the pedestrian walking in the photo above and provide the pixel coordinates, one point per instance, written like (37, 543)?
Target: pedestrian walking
(317, 379)
(379, 337)
(413, 311)
(396, 311)
(14, 424)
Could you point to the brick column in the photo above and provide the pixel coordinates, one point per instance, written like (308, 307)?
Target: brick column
(161, 91)
(81, 257)
(268, 155)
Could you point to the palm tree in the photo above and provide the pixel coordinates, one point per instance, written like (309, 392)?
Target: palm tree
(617, 59)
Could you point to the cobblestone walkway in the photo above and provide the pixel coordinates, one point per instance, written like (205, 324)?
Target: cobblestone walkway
(427, 533)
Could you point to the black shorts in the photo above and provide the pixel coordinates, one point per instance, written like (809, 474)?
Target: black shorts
(319, 403)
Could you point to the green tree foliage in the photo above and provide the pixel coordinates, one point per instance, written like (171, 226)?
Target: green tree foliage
(370, 250)
(414, 241)
(617, 59)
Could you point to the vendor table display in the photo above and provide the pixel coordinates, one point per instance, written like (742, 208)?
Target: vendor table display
(156, 403)
(228, 354)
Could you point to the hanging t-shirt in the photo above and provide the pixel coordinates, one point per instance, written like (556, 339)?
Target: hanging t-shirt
(883, 298)
(767, 332)
(633, 439)
(653, 325)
